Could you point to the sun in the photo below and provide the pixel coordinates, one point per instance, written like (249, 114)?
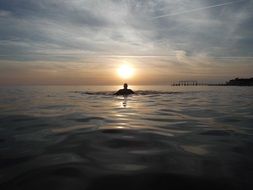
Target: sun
(125, 71)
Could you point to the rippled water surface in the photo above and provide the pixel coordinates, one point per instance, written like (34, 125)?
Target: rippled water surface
(62, 137)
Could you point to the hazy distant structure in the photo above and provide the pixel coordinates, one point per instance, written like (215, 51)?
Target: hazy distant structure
(240, 82)
(233, 82)
(186, 83)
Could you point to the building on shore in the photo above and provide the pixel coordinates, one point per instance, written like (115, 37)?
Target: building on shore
(240, 82)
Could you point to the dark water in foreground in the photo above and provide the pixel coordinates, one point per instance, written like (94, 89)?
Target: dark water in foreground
(163, 138)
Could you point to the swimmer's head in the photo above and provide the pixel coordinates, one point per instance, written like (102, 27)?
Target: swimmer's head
(125, 86)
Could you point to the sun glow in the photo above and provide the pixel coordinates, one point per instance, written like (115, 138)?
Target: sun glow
(125, 71)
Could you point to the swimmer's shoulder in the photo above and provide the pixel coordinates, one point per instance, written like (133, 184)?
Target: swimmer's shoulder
(131, 91)
(119, 92)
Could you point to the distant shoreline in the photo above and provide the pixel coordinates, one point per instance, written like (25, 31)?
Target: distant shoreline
(233, 82)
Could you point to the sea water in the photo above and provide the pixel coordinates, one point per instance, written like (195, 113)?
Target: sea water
(83, 137)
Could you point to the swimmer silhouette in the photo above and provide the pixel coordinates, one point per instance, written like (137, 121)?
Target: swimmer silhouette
(124, 91)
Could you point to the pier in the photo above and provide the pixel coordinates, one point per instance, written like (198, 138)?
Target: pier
(186, 83)
(194, 83)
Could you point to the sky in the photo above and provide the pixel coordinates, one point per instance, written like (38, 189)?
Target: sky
(83, 42)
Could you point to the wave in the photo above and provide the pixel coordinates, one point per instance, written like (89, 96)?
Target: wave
(138, 92)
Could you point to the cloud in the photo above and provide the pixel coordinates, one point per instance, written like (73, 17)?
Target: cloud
(94, 32)
(4, 13)
(196, 9)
